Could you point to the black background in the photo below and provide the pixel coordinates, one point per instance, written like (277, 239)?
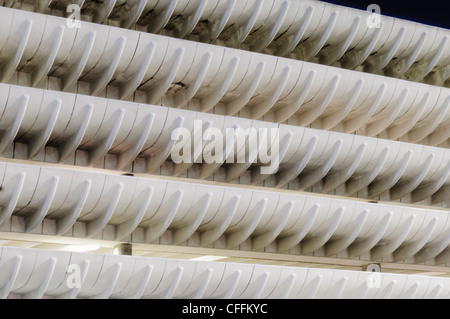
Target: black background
(172, 309)
(431, 12)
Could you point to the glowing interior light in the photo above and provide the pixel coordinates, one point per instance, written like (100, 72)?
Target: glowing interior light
(209, 258)
(81, 248)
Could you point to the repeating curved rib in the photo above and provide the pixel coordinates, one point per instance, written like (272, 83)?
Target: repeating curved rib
(339, 245)
(411, 249)
(381, 251)
(402, 190)
(188, 24)
(291, 42)
(10, 66)
(73, 293)
(401, 67)
(6, 289)
(313, 287)
(102, 81)
(111, 282)
(418, 72)
(314, 243)
(11, 132)
(237, 277)
(156, 230)
(355, 58)
(234, 106)
(212, 99)
(313, 48)
(396, 131)
(309, 116)
(264, 280)
(367, 178)
(129, 87)
(245, 29)
(183, 233)
(432, 250)
(39, 73)
(211, 235)
(127, 227)
(381, 186)
(266, 238)
(159, 19)
(102, 147)
(355, 123)
(7, 211)
(316, 175)
(335, 53)
(381, 61)
(72, 143)
(157, 91)
(429, 189)
(95, 226)
(334, 228)
(134, 13)
(188, 92)
(236, 238)
(429, 125)
(268, 35)
(334, 180)
(64, 223)
(338, 116)
(288, 242)
(384, 122)
(40, 291)
(126, 157)
(39, 140)
(104, 11)
(217, 26)
(175, 281)
(156, 160)
(288, 175)
(200, 293)
(74, 73)
(289, 110)
(357, 249)
(33, 220)
(262, 108)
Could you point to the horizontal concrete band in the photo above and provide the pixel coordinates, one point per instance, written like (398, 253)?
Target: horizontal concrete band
(50, 200)
(33, 273)
(306, 30)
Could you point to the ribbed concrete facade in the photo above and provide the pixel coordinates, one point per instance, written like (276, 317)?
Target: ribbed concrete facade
(346, 166)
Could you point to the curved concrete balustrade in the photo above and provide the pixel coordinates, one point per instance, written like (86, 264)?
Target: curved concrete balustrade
(306, 30)
(50, 200)
(34, 273)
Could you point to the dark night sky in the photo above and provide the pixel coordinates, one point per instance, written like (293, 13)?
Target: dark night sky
(431, 12)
